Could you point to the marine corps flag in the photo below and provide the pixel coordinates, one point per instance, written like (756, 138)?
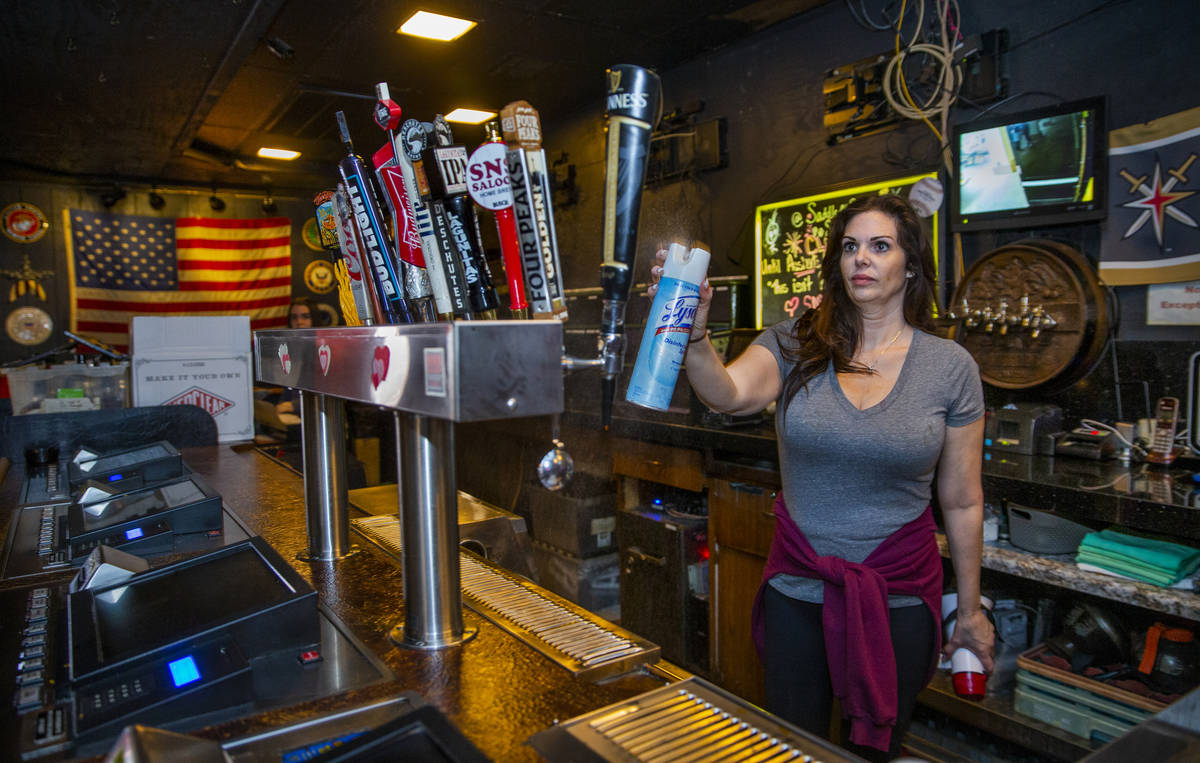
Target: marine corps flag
(1153, 229)
(127, 265)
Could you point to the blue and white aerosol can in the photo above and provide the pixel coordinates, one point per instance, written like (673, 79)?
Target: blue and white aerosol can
(668, 326)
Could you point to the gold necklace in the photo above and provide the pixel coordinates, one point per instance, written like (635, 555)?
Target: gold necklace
(886, 347)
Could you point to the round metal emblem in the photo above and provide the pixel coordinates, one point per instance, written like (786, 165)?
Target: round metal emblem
(319, 276)
(29, 325)
(311, 236)
(23, 222)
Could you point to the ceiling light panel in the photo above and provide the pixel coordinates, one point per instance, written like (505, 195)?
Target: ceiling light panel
(435, 26)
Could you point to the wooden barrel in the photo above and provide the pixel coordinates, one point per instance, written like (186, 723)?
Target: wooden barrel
(1052, 276)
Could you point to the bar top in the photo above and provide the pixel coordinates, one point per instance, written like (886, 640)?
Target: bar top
(497, 690)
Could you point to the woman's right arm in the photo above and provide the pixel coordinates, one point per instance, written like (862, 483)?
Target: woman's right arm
(747, 385)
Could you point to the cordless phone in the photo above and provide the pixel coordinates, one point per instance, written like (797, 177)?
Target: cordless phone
(1162, 437)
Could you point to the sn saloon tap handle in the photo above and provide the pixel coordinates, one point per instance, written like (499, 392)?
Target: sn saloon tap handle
(368, 218)
(489, 185)
(632, 108)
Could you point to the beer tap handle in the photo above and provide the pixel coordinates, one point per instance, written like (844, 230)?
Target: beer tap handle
(632, 108)
(491, 188)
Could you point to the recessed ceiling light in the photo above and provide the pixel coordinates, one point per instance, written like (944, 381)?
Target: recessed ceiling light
(435, 26)
(469, 116)
(278, 153)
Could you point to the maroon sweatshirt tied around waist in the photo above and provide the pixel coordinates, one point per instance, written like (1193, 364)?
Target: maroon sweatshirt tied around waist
(862, 663)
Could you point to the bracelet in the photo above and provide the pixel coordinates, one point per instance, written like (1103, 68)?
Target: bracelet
(693, 341)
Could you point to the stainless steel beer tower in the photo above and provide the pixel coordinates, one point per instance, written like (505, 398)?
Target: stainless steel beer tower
(323, 454)
(433, 375)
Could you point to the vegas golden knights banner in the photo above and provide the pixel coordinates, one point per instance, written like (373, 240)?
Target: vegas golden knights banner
(1153, 230)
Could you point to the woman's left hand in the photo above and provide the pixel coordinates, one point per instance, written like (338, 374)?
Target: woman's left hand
(975, 632)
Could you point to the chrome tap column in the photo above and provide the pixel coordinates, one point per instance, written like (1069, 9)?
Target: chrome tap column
(324, 457)
(434, 375)
(429, 534)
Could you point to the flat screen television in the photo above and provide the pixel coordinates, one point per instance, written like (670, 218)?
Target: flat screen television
(1046, 166)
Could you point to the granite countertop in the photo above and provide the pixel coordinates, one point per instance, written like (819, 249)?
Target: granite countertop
(1060, 570)
(473, 684)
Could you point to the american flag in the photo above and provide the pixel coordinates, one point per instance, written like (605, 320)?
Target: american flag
(127, 265)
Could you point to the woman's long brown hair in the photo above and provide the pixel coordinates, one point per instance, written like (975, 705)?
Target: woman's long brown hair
(834, 329)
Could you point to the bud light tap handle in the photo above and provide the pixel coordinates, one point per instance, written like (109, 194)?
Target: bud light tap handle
(632, 108)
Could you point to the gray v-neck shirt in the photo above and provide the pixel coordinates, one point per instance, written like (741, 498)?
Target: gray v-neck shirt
(851, 478)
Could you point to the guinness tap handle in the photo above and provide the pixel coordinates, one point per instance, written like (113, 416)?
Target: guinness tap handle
(632, 109)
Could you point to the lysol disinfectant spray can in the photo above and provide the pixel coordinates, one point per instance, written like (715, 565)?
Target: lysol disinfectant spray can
(668, 326)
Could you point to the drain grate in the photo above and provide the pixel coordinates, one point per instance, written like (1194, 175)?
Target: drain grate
(692, 720)
(575, 638)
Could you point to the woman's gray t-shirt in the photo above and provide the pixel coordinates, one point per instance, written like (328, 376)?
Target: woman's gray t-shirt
(851, 478)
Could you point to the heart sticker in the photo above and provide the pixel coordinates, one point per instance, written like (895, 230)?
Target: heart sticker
(323, 354)
(379, 365)
(285, 360)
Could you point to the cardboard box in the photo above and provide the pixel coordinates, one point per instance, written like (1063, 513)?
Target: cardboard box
(204, 361)
(580, 519)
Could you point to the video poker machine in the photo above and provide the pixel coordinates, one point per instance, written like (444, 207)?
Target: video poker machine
(219, 636)
(142, 501)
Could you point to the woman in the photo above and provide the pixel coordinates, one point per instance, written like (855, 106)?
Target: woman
(303, 313)
(870, 404)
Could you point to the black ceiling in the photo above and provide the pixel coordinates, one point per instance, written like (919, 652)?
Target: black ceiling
(185, 91)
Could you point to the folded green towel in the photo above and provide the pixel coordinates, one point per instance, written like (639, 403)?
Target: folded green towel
(1177, 558)
(1128, 566)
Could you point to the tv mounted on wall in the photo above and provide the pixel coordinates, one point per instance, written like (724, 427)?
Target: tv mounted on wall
(1045, 166)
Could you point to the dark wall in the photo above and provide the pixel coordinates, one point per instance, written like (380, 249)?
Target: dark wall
(50, 251)
(1141, 55)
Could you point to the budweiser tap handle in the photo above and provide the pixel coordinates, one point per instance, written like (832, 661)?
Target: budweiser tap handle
(368, 219)
(632, 110)
(407, 240)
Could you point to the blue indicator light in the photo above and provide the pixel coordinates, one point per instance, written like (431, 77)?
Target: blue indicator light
(657, 502)
(987, 441)
(183, 670)
(134, 533)
(115, 477)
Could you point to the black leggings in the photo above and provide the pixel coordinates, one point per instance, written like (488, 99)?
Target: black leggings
(798, 688)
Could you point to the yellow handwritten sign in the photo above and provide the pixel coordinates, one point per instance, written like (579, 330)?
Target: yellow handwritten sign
(789, 241)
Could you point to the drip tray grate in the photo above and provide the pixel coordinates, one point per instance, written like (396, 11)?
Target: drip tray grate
(587, 645)
(692, 720)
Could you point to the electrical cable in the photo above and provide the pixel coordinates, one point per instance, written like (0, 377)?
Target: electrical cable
(1100, 425)
(1009, 99)
(949, 78)
(862, 4)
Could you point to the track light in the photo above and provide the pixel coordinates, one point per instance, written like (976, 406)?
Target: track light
(217, 203)
(279, 48)
(156, 200)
